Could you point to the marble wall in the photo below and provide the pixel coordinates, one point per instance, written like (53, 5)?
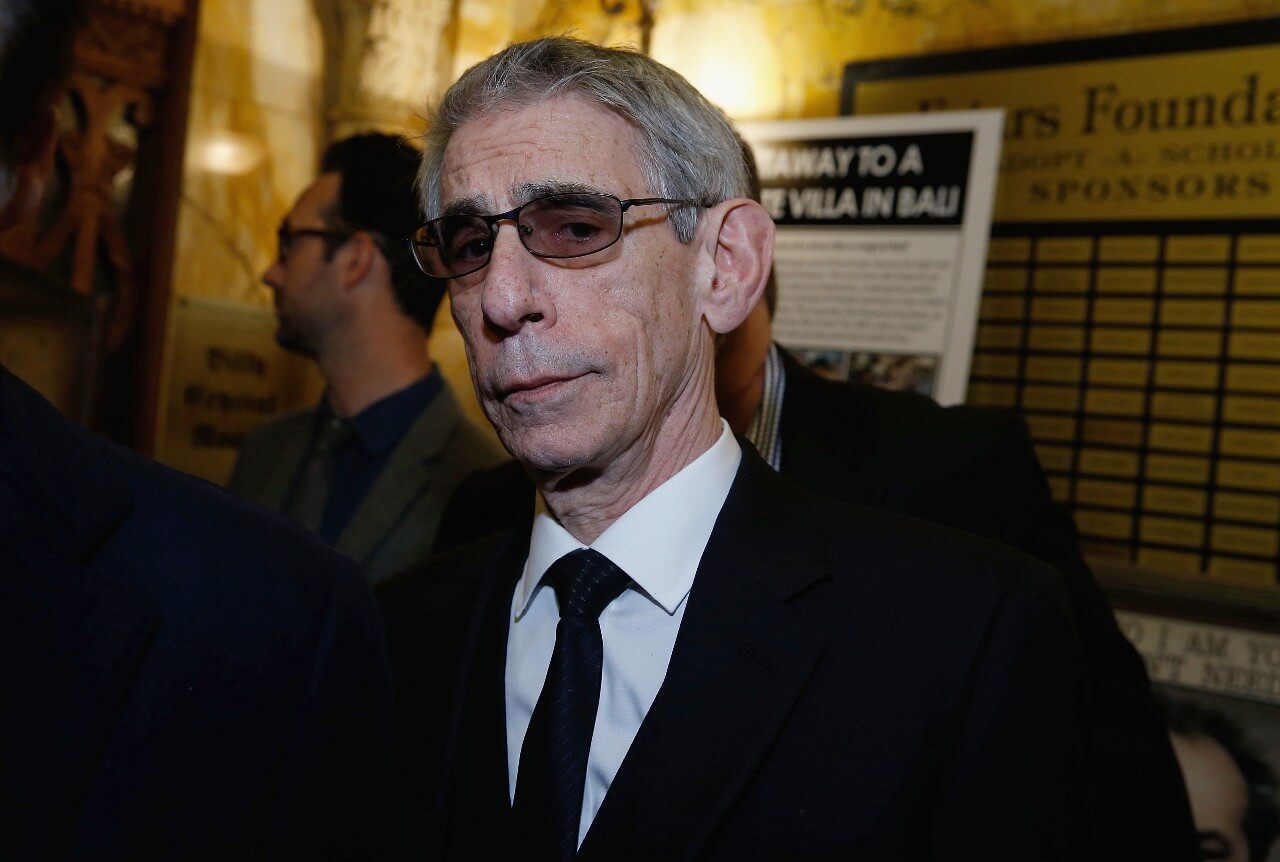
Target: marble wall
(781, 59)
(254, 134)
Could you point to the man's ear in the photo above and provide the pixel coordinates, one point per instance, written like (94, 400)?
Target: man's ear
(742, 233)
(359, 256)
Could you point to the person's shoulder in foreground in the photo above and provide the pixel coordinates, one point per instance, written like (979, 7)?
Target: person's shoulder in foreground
(199, 678)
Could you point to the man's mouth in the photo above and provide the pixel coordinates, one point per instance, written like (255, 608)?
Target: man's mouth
(536, 387)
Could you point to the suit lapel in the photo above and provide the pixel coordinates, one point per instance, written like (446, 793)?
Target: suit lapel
(71, 637)
(281, 472)
(739, 663)
(407, 475)
(475, 801)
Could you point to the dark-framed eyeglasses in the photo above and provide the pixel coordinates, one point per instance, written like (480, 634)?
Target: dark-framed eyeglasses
(286, 236)
(556, 226)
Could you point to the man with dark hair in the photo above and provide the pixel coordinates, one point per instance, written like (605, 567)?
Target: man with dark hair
(182, 675)
(1233, 790)
(676, 653)
(370, 468)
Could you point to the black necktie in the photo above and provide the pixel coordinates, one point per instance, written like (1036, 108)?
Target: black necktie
(553, 759)
(312, 489)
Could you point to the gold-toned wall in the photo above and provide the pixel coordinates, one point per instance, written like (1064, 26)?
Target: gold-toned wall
(781, 59)
(253, 136)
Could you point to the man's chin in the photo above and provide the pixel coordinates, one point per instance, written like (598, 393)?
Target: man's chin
(291, 342)
(544, 450)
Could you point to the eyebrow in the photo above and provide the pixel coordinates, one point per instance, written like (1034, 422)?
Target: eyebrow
(523, 192)
(464, 206)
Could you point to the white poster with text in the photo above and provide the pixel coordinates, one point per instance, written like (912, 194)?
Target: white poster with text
(882, 242)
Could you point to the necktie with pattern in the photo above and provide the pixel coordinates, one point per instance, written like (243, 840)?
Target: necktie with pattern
(553, 760)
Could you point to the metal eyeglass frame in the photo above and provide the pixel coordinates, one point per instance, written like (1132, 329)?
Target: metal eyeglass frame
(514, 215)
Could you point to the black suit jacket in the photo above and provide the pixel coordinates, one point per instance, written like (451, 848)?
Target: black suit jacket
(844, 685)
(974, 470)
(182, 675)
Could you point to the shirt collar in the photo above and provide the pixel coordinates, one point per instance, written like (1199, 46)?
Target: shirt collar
(382, 424)
(681, 511)
(765, 431)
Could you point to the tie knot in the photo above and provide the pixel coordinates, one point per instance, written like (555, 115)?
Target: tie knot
(585, 582)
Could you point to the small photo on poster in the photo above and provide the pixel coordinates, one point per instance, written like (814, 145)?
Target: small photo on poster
(897, 371)
(831, 364)
(900, 372)
(1229, 751)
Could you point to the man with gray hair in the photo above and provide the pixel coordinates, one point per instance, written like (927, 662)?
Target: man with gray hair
(682, 655)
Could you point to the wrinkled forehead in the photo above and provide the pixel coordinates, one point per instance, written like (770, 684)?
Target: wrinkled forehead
(509, 156)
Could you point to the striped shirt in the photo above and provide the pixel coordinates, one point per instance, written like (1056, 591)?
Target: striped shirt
(763, 433)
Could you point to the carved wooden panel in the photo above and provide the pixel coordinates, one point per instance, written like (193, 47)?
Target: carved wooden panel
(96, 233)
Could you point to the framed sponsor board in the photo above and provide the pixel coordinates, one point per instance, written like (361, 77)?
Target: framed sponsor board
(1131, 302)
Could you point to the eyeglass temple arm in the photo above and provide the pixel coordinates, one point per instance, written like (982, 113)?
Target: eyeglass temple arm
(628, 204)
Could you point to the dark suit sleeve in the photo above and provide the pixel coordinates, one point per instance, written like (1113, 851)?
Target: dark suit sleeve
(340, 799)
(485, 503)
(1018, 786)
(245, 479)
(975, 470)
(1142, 803)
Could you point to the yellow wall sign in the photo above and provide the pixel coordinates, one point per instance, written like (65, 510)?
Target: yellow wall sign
(1194, 134)
(226, 377)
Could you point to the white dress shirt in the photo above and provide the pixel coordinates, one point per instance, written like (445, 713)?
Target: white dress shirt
(658, 542)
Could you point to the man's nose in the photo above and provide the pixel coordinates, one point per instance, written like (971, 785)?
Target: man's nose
(271, 275)
(511, 299)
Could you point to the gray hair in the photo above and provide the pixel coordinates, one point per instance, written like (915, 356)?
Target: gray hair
(688, 149)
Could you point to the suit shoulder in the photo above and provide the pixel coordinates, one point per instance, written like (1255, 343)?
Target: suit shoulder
(477, 449)
(433, 600)
(909, 432)
(917, 415)
(192, 526)
(484, 502)
(505, 480)
(909, 555)
(444, 575)
(192, 549)
(280, 428)
(909, 413)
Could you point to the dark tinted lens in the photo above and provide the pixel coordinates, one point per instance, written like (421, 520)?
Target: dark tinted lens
(282, 243)
(453, 245)
(571, 225)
